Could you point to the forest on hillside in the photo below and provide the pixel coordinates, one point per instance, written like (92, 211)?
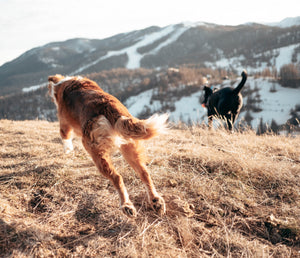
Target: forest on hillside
(167, 85)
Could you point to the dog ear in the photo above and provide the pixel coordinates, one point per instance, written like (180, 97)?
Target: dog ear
(55, 78)
(208, 90)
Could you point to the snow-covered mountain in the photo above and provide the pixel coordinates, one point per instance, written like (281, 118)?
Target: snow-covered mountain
(132, 52)
(135, 67)
(251, 46)
(287, 22)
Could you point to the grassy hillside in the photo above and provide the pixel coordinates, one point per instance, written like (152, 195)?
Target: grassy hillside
(227, 195)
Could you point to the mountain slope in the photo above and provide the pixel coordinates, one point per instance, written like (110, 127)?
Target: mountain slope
(287, 22)
(176, 91)
(253, 47)
(272, 102)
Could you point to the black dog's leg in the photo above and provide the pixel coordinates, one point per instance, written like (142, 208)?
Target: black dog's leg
(230, 121)
(210, 120)
(233, 118)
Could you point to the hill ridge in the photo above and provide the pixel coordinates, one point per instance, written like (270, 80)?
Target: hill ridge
(200, 44)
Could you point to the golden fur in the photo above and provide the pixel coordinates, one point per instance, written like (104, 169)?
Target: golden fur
(103, 122)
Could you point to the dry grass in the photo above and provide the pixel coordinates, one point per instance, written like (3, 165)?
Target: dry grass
(244, 191)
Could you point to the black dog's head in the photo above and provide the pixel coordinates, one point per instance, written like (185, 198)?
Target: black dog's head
(207, 93)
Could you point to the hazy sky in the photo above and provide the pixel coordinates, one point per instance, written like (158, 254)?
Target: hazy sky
(25, 24)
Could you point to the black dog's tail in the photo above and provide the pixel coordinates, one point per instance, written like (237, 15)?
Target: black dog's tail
(242, 83)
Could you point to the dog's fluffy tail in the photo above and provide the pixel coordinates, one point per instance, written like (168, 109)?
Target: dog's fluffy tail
(130, 127)
(242, 83)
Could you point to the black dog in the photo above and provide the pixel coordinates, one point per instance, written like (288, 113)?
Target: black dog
(225, 103)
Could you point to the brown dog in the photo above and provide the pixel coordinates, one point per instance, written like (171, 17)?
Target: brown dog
(103, 122)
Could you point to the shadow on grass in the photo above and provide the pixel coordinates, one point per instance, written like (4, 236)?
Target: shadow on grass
(95, 222)
(12, 239)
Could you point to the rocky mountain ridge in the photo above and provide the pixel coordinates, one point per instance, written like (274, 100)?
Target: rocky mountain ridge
(250, 46)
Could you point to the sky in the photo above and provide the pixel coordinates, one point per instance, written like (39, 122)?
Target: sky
(25, 24)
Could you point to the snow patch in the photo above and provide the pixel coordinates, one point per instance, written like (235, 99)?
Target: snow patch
(134, 57)
(287, 22)
(189, 24)
(55, 48)
(278, 58)
(170, 40)
(33, 87)
(188, 109)
(139, 103)
(285, 55)
(275, 105)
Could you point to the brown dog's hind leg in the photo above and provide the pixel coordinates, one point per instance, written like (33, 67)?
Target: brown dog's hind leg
(100, 153)
(133, 153)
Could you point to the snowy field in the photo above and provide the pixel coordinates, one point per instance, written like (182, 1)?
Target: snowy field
(275, 105)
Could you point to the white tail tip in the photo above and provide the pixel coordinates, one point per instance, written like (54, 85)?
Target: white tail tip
(158, 123)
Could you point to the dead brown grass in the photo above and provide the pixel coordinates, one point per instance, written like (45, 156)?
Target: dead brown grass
(228, 195)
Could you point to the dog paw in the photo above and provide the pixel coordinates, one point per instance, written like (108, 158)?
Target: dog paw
(68, 151)
(158, 204)
(68, 146)
(129, 210)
